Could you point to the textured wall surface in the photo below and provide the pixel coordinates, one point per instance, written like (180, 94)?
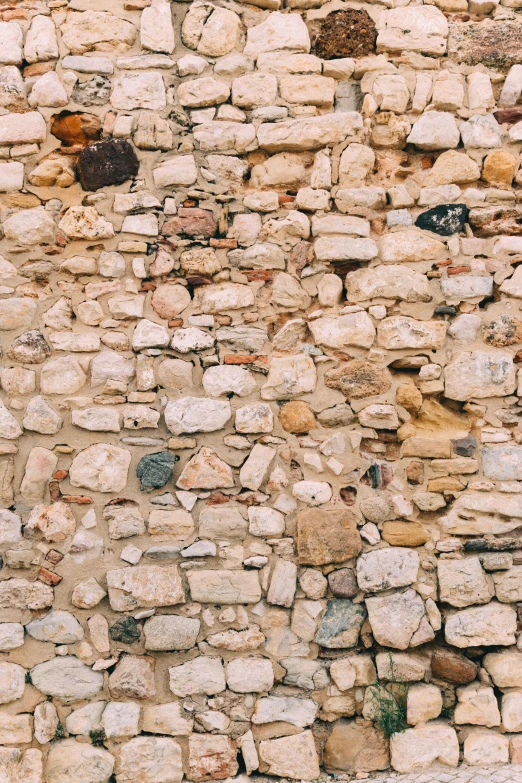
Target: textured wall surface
(260, 438)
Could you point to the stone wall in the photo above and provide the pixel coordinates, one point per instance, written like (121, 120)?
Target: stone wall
(261, 444)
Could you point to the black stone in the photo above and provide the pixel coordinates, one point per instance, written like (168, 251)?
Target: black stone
(125, 630)
(500, 545)
(445, 310)
(464, 447)
(107, 163)
(154, 470)
(445, 219)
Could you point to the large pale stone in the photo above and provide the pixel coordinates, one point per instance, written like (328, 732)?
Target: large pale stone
(12, 682)
(214, 299)
(278, 31)
(100, 468)
(292, 757)
(67, 679)
(149, 760)
(28, 128)
(85, 223)
(493, 624)
(423, 30)
(196, 414)
(70, 760)
(289, 377)
(481, 513)
(308, 134)
(410, 246)
(463, 582)
(156, 30)
(387, 568)
(224, 587)
(337, 332)
(58, 626)
(395, 618)
(97, 31)
(479, 374)
(144, 586)
(477, 705)
(505, 669)
(22, 594)
(170, 632)
(211, 757)
(202, 675)
(391, 282)
(424, 745)
(205, 470)
(483, 747)
(399, 332)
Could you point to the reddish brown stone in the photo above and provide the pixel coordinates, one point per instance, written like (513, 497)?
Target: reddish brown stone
(511, 115)
(458, 270)
(191, 221)
(176, 322)
(452, 666)
(238, 358)
(343, 583)
(259, 274)
(54, 557)
(82, 500)
(75, 128)
(415, 472)
(59, 475)
(107, 163)
(224, 243)
(48, 578)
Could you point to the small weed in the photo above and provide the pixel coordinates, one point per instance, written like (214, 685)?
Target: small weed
(97, 736)
(388, 700)
(447, 712)
(59, 733)
(28, 678)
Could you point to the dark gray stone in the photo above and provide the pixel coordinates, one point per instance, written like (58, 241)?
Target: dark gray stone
(125, 630)
(155, 470)
(341, 624)
(445, 219)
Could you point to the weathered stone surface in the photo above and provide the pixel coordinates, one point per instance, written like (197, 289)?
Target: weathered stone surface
(395, 618)
(463, 582)
(67, 679)
(69, 759)
(327, 537)
(293, 757)
(144, 586)
(149, 759)
(340, 624)
(493, 624)
(387, 568)
(420, 747)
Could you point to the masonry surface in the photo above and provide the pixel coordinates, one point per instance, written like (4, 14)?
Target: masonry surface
(260, 423)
